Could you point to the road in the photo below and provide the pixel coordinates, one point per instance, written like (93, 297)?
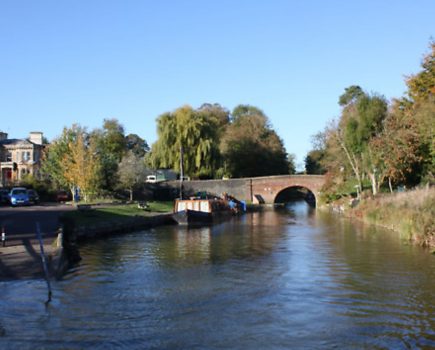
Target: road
(20, 223)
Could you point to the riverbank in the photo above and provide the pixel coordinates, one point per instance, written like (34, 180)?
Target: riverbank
(23, 261)
(99, 220)
(410, 213)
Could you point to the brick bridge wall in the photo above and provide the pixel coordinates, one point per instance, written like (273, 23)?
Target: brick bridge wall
(250, 189)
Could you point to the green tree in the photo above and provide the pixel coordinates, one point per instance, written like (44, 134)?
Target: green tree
(250, 147)
(81, 165)
(137, 145)
(421, 108)
(361, 119)
(131, 172)
(396, 148)
(315, 159)
(246, 111)
(51, 166)
(421, 86)
(196, 133)
(313, 162)
(72, 161)
(219, 114)
(291, 161)
(111, 145)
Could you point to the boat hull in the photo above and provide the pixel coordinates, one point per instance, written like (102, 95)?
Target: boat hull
(193, 217)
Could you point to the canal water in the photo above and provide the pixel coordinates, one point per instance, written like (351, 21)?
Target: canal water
(277, 279)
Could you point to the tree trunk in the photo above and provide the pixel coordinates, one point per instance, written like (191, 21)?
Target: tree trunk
(374, 184)
(131, 194)
(72, 189)
(352, 161)
(390, 185)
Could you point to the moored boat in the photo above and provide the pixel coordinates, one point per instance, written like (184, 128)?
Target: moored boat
(197, 211)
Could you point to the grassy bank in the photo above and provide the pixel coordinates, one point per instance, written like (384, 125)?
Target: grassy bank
(118, 213)
(410, 213)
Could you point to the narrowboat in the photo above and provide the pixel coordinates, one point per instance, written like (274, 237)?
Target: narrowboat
(197, 211)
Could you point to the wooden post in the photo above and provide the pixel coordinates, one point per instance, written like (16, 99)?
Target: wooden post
(44, 262)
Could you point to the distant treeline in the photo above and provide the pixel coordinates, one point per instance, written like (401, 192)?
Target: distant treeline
(213, 143)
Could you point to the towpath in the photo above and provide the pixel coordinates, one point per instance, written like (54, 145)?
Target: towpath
(20, 257)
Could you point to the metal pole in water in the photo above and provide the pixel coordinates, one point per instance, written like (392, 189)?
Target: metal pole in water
(44, 261)
(3, 237)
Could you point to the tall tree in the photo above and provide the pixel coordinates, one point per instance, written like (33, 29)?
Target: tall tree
(250, 147)
(137, 145)
(193, 131)
(313, 162)
(81, 165)
(421, 86)
(72, 161)
(131, 172)
(291, 161)
(421, 107)
(315, 159)
(215, 111)
(111, 145)
(361, 120)
(54, 153)
(395, 151)
(246, 111)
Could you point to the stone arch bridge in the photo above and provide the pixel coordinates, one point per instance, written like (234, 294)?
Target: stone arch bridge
(255, 189)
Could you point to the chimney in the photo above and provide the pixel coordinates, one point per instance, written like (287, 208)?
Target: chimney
(36, 137)
(3, 136)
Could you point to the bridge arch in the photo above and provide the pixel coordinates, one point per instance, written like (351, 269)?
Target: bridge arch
(295, 192)
(268, 188)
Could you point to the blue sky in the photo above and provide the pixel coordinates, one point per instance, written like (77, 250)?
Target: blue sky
(65, 62)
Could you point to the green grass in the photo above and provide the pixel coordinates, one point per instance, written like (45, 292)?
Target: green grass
(116, 213)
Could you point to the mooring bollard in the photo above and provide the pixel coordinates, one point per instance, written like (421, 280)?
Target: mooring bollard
(3, 237)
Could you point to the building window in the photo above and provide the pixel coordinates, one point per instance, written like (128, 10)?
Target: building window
(26, 156)
(9, 156)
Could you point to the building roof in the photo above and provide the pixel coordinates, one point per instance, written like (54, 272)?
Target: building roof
(16, 142)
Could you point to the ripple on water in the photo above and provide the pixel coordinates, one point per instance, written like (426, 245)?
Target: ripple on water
(260, 282)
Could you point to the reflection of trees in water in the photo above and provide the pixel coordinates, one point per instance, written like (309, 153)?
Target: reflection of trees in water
(294, 194)
(248, 236)
(379, 272)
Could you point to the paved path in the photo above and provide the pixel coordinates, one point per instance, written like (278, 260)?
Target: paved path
(21, 256)
(20, 223)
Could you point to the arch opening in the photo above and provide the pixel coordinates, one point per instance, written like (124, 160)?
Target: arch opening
(294, 194)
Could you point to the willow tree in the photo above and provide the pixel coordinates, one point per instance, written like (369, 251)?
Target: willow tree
(194, 132)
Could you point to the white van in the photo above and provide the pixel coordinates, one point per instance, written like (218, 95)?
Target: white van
(152, 179)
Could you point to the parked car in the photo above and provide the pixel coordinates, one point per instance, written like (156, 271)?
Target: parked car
(63, 196)
(33, 196)
(4, 196)
(19, 196)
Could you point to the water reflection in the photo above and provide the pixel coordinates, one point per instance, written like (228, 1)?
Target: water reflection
(286, 278)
